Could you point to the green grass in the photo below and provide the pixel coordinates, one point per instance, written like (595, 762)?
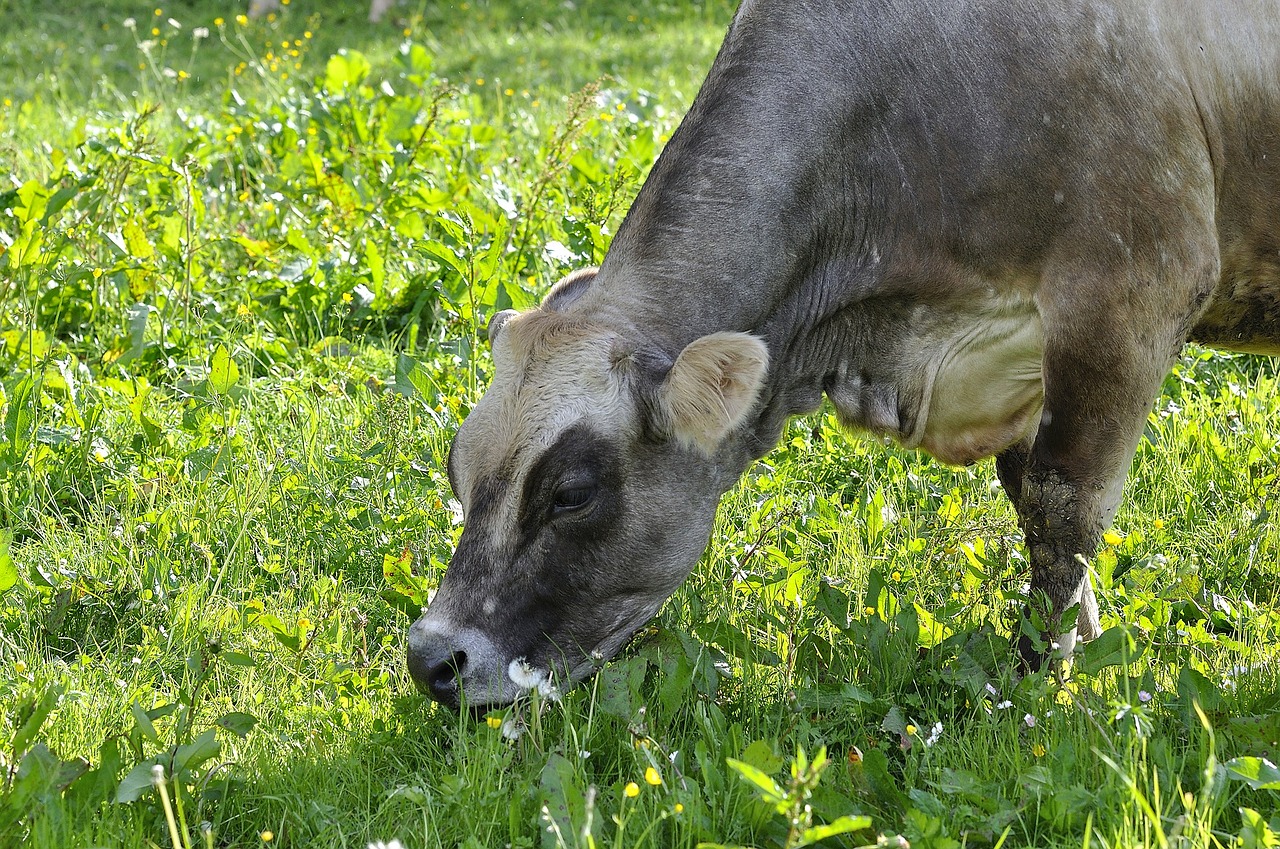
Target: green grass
(239, 302)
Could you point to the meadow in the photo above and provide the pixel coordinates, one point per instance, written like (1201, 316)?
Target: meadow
(245, 268)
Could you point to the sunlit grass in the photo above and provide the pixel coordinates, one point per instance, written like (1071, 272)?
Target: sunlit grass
(236, 333)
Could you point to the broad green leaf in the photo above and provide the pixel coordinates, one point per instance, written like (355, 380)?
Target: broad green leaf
(345, 68)
(139, 780)
(1258, 773)
(760, 755)
(135, 238)
(1115, 647)
(30, 717)
(8, 570)
(143, 721)
(193, 754)
(770, 792)
(844, 825)
(223, 371)
(239, 724)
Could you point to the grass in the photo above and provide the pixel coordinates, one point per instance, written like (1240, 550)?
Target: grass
(239, 299)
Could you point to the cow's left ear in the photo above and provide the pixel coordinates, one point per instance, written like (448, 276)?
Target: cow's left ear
(712, 387)
(569, 290)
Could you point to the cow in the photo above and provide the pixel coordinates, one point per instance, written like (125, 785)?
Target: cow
(979, 228)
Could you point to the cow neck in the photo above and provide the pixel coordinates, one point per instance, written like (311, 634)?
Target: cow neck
(737, 212)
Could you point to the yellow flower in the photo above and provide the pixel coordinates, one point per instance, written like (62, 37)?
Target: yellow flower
(158, 13)
(1112, 538)
(480, 81)
(304, 624)
(679, 808)
(242, 20)
(346, 297)
(155, 31)
(19, 667)
(1158, 524)
(652, 776)
(911, 731)
(242, 310)
(407, 32)
(494, 721)
(267, 836)
(1038, 750)
(306, 34)
(217, 22)
(868, 610)
(632, 790)
(897, 576)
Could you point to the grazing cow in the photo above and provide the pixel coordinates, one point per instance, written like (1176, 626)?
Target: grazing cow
(377, 8)
(978, 227)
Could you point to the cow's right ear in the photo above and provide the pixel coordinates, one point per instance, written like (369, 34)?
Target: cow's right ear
(712, 387)
(569, 290)
(497, 321)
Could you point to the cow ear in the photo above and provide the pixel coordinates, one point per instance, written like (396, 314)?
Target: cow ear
(569, 290)
(497, 321)
(712, 387)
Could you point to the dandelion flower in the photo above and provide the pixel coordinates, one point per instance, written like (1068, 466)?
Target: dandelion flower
(652, 776)
(267, 836)
(1112, 538)
(632, 790)
(217, 22)
(524, 675)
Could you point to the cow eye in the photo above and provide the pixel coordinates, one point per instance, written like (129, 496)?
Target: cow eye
(573, 497)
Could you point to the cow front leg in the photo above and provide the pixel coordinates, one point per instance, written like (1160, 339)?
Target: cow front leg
(1102, 371)
(1011, 469)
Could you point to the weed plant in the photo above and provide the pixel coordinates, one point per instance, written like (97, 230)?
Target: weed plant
(244, 267)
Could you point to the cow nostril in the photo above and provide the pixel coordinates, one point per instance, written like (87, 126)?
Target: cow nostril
(442, 678)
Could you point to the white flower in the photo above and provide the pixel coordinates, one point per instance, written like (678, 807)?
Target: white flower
(991, 688)
(934, 734)
(1144, 696)
(1029, 720)
(378, 844)
(200, 32)
(1005, 705)
(512, 729)
(174, 24)
(130, 23)
(526, 676)
(548, 690)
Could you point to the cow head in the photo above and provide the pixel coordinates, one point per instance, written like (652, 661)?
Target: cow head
(588, 481)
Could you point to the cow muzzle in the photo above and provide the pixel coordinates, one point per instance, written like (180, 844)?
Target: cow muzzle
(452, 665)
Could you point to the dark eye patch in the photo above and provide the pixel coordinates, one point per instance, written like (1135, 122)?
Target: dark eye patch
(576, 477)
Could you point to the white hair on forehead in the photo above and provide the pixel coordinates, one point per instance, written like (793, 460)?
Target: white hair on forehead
(550, 372)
